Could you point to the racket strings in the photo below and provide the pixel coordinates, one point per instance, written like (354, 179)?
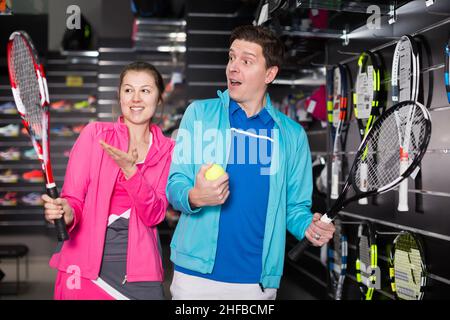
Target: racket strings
(28, 85)
(364, 258)
(381, 154)
(409, 268)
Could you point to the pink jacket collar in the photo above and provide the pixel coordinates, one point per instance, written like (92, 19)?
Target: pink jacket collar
(161, 145)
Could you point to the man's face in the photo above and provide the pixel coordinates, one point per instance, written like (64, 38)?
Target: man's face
(247, 75)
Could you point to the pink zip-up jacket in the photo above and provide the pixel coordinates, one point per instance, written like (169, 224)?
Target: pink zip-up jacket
(88, 187)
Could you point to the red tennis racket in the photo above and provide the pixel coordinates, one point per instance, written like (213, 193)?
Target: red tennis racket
(29, 88)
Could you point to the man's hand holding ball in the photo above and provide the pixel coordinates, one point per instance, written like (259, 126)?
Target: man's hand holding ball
(211, 187)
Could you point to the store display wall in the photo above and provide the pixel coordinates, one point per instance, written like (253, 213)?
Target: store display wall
(432, 225)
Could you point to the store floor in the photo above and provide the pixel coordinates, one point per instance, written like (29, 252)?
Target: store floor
(39, 285)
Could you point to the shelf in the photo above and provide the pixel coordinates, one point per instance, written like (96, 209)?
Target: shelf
(21, 209)
(23, 223)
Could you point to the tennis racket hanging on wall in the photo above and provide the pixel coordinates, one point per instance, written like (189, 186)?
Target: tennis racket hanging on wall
(340, 121)
(407, 268)
(367, 260)
(447, 69)
(366, 100)
(405, 82)
(337, 253)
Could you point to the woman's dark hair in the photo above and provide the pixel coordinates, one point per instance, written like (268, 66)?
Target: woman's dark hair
(272, 47)
(146, 67)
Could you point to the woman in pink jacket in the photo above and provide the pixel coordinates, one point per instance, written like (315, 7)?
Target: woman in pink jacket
(113, 198)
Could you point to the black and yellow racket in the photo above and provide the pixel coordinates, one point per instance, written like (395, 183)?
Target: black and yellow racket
(337, 253)
(366, 260)
(366, 100)
(407, 272)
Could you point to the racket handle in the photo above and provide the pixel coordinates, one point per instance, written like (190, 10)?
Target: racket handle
(363, 178)
(403, 189)
(295, 253)
(363, 201)
(298, 250)
(334, 180)
(60, 225)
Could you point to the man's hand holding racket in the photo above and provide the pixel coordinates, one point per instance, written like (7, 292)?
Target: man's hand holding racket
(319, 232)
(57, 209)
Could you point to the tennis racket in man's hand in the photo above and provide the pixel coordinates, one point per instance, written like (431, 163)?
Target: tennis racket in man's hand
(29, 88)
(381, 150)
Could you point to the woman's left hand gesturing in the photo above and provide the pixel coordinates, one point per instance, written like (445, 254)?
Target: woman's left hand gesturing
(126, 161)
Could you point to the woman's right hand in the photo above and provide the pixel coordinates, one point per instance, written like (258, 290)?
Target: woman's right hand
(57, 208)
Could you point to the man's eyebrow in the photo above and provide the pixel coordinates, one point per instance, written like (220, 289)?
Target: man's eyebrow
(245, 53)
(249, 53)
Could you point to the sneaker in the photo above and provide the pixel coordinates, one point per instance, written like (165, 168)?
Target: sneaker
(63, 131)
(9, 199)
(30, 154)
(10, 154)
(32, 199)
(78, 128)
(8, 108)
(33, 176)
(86, 105)
(24, 131)
(66, 153)
(8, 176)
(61, 106)
(11, 130)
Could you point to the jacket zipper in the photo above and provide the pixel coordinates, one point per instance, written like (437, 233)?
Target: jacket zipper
(261, 286)
(124, 280)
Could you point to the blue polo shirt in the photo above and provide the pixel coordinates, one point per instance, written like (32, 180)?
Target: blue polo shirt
(243, 215)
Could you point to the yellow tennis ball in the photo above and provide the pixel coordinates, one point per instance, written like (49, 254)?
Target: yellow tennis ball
(215, 172)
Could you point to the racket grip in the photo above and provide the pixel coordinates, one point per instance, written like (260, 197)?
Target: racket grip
(363, 174)
(403, 189)
(60, 225)
(334, 180)
(295, 253)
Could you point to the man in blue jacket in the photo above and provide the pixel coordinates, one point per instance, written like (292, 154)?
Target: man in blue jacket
(230, 240)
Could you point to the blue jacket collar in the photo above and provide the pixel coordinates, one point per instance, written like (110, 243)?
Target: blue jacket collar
(225, 98)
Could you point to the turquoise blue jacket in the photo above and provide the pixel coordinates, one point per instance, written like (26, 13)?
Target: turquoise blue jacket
(204, 137)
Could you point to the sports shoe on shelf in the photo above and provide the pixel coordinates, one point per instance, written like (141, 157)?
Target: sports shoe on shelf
(62, 131)
(86, 105)
(8, 176)
(61, 106)
(33, 176)
(24, 131)
(66, 153)
(8, 108)
(78, 128)
(10, 154)
(30, 154)
(32, 199)
(8, 199)
(11, 130)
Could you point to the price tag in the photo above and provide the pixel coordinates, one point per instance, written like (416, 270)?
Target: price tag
(364, 102)
(311, 106)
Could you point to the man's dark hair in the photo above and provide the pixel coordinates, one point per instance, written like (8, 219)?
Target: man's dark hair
(272, 47)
